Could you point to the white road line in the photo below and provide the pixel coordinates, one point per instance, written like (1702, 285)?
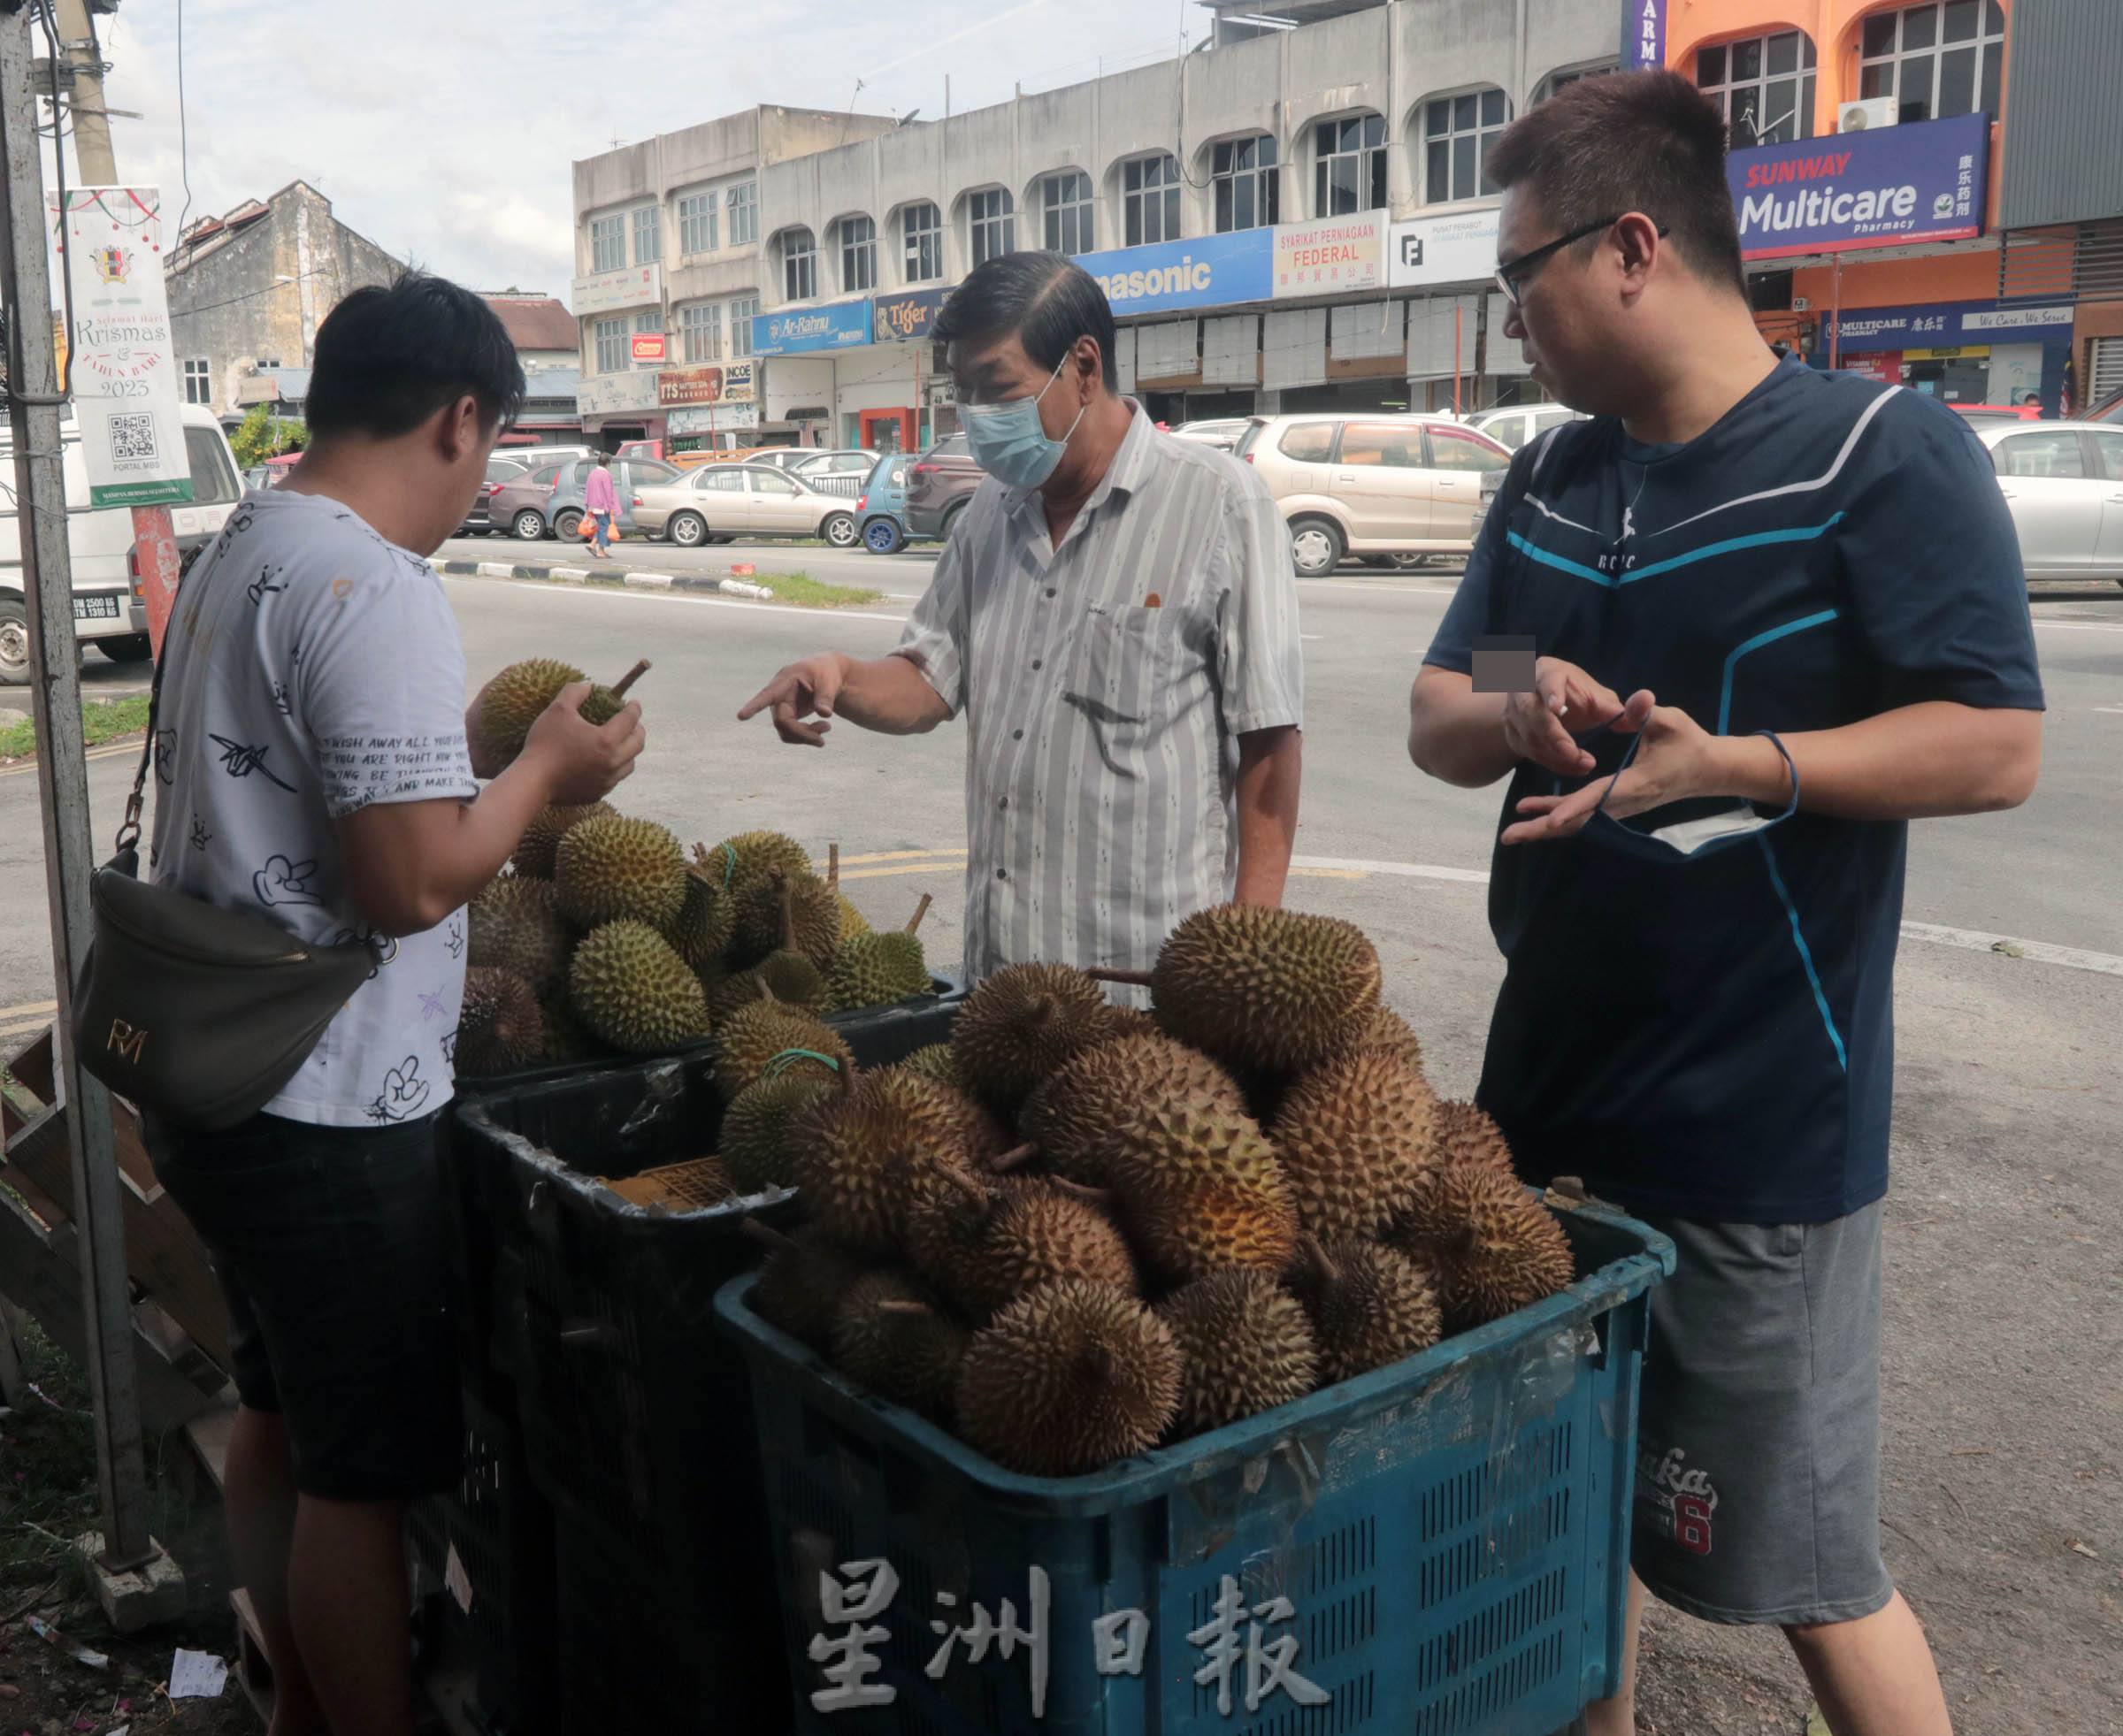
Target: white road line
(2080, 626)
(1414, 870)
(549, 589)
(27, 1009)
(2040, 951)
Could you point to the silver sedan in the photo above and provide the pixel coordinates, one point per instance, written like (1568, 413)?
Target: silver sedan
(719, 501)
(2062, 482)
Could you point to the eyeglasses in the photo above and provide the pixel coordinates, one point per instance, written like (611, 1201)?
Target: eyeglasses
(1512, 273)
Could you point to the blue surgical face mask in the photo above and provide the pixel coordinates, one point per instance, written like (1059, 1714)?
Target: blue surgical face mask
(1009, 442)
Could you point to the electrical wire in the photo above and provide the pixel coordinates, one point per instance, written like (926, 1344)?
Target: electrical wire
(317, 271)
(184, 139)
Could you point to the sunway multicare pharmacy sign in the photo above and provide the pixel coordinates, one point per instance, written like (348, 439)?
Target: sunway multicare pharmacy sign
(1885, 187)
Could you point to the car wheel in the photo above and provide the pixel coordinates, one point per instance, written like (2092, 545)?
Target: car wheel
(530, 525)
(839, 530)
(567, 525)
(1315, 545)
(14, 644)
(949, 523)
(133, 648)
(688, 529)
(883, 536)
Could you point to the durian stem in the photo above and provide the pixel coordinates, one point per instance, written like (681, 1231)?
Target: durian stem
(959, 1179)
(788, 910)
(920, 911)
(901, 1305)
(1078, 1190)
(1011, 1158)
(1097, 1361)
(832, 868)
(630, 677)
(768, 1236)
(1136, 979)
(1317, 1255)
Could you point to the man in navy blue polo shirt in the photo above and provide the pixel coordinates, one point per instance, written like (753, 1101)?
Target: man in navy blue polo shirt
(1778, 615)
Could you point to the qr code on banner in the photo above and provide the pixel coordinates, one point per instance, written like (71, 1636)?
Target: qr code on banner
(133, 439)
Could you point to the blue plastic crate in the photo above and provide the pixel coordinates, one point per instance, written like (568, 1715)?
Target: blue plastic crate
(1452, 1534)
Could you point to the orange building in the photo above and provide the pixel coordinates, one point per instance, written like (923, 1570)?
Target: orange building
(1821, 96)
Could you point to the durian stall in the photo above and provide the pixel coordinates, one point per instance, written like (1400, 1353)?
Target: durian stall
(1012, 1362)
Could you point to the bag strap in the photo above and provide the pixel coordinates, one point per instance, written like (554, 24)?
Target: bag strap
(128, 859)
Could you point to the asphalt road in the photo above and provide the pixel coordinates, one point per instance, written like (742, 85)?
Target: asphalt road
(2004, 1356)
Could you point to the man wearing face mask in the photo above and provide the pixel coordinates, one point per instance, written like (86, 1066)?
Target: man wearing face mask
(1808, 588)
(1115, 617)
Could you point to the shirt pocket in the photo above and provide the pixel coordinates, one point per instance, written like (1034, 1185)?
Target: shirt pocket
(1121, 675)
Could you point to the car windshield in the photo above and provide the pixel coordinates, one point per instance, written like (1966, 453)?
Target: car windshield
(1246, 439)
(213, 477)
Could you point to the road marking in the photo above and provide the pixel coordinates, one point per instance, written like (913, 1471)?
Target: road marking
(1413, 870)
(2117, 708)
(35, 1027)
(119, 749)
(28, 1007)
(2041, 952)
(888, 856)
(689, 600)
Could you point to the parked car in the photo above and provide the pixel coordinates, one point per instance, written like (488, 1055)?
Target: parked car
(841, 471)
(781, 457)
(2063, 483)
(722, 500)
(110, 611)
(881, 509)
(937, 488)
(477, 522)
(532, 457)
(548, 501)
(1516, 424)
(1222, 432)
(2109, 410)
(520, 503)
(1372, 486)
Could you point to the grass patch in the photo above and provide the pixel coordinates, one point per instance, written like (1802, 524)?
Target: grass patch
(807, 592)
(101, 721)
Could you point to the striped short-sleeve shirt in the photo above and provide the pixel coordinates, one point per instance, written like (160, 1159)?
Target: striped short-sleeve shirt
(1104, 685)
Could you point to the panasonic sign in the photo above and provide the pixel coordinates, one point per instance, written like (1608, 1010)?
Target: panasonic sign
(1211, 270)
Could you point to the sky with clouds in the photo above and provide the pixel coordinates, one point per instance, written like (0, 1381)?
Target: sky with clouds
(443, 129)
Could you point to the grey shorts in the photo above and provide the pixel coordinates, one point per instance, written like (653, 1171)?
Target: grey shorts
(1758, 1460)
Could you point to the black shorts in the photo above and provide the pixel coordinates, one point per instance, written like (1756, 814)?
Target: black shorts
(332, 1246)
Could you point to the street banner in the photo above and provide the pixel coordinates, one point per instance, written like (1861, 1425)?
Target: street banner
(128, 405)
(1888, 187)
(1458, 249)
(731, 383)
(713, 419)
(904, 317)
(1210, 270)
(629, 287)
(843, 326)
(1330, 256)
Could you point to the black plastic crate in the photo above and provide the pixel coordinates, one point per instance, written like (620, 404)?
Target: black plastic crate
(494, 1607)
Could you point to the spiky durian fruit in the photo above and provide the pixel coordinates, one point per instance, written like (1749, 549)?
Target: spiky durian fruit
(932, 1062)
(1246, 1345)
(515, 926)
(802, 1284)
(1356, 1137)
(1074, 1114)
(750, 854)
(609, 870)
(511, 702)
(628, 986)
(987, 1242)
(1369, 1305)
(766, 1038)
(859, 1152)
(899, 1340)
(1464, 1137)
(500, 1028)
(1200, 1190)
(1267, 991)
(878, 969)
(1020, 1025)
(701, 930)
(1069, 1379)
(568, 1039)
(781, 909)
(1391, 1034)
(755, 1139)
(541, 837)
(1496, 1248)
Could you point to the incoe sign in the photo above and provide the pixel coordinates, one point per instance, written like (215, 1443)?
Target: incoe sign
(1923, 182)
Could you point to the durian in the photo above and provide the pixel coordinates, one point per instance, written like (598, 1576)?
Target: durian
(1495, 1248)
(1465, 1137)
(500, 1028)
(879, 969)
(790, 975)
(986, 1243)
(701, 930)
(861, 1150)
(1201, 1189)
(897, 1340)
(755, 1131)
(1073, 1115)
(1390, 1034)
(515, 926)
(802, 1284)
(633, 991)
(1369, 1305)
(541, 837)
(1356, 1137)
(748, 855)
(932, 1061)
(767, 1038)
(1022, 1024)
(568, 1039)
(608, 868)
(514, 699)
(1067, 1380)
(1262, 991)
(1246, 1345)
(782, 908)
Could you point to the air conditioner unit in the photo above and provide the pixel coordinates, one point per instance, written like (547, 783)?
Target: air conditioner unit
(1800, 304)
(1862, 116)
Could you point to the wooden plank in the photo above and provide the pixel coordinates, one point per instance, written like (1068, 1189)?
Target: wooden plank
(32, 1064)
(12, 1377)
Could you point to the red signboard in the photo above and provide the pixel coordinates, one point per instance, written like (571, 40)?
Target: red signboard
(648, 346)
(690, 385)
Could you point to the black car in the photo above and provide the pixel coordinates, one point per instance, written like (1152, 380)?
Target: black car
(477, 522)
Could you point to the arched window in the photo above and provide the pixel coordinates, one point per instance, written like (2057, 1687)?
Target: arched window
(922, 227)
(1764, 84)
(1150, 200)
(799, 266)
(1349, 166)
(1248, 184)
(1456, 133)
(1065, 211)
(1936, 59)
(858, 255)
(991, 220)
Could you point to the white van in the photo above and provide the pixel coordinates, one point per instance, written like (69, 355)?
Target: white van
(108, 611)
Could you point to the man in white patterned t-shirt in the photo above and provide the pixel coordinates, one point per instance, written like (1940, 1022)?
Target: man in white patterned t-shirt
(313, 768)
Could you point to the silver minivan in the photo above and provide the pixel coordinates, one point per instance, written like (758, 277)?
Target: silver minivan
(109, 610)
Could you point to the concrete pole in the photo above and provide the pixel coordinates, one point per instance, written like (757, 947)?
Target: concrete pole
(62, 785)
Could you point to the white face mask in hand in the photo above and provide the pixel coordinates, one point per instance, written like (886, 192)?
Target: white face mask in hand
(1684, 838)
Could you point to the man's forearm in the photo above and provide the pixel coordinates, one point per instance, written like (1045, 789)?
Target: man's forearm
(1917, 762)
(889, 695)
(1271, 766)
(1455, 734)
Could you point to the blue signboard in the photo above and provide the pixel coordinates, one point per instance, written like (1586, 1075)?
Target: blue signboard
(901, 319)
(1885, 187)
(1946, 325)
(1211, 270)
(1643, 33)
(843, 326)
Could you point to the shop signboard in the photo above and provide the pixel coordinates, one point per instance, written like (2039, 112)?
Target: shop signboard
(619, 393)
(1210, 270)
(630, 286)
(1642, 34)
(1458, 248)
(1885, 187)
(1940, 325)
(905, 317)
(842, 326)
(1332, 256)
(648, 346)
(713, 419)
(731, 383)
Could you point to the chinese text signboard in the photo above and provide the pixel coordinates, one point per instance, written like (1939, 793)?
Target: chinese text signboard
(1889, 186)
(129, 404)
(1210, 270)
(1946, 325)
(732, 383)
(1331, 256)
